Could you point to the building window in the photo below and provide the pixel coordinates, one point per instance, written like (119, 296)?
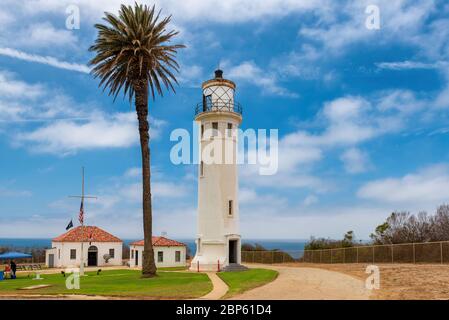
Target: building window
(132, 254)
(214, 129)
(59, 253)
(231, 209)
(72, 254)
(160, 256)
(202, 130)
(229, 130)
(111, 253)
(202, 169)
(177, 256)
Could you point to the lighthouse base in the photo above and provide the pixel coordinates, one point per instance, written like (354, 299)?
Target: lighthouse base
(213, 255)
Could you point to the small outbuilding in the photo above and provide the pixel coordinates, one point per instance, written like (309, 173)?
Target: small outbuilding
(167, 253)
(99, 248)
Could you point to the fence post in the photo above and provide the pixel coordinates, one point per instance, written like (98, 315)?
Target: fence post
(414, 257)
(441, 252)
(373, 254)
(331, 255)
(357, 254)
(272, 257)
(321, 254)
(254, 258)
(392, 253)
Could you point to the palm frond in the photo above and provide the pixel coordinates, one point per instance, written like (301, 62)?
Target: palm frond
(134, 46)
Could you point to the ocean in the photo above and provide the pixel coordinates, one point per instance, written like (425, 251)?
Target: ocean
(289, 245)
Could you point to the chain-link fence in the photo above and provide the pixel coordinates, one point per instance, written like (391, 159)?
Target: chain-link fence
(276, 256)
(427, 252)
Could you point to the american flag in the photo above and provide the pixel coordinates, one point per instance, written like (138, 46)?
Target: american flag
(81, 215)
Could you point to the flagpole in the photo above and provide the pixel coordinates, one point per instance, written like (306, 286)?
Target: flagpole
(81, 219)
(82, 225)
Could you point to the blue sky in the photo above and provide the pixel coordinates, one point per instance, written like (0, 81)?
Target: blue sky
(362, 116)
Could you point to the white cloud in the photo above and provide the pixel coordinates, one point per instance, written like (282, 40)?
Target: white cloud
(51, 61)
(133, 172)
(348, 122)
(248, 71)
(42, 35)
(407, 65)
(8, 193)
(98, 132)
(230, 11)
(355, 161)
(66, 136)
(159, 189)
(430, 185)
(190, 75)
(404, 101)
(309, 200)
(64, 126)
(342, 24)
(247, 195)
(12, 88)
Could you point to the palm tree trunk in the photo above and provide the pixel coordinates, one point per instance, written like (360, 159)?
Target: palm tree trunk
(141, 100)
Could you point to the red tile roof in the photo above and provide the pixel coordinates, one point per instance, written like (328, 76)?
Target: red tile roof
(91, 234)
(161, 242)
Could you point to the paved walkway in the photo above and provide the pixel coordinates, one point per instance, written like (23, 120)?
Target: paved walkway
(219, 287)
(308, 284)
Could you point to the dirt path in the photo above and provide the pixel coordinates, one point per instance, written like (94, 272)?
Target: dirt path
(308, 284)
(219, 290)
(398, 281)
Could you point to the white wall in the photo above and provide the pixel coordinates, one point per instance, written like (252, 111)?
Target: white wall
(169, 256)
(61, 250)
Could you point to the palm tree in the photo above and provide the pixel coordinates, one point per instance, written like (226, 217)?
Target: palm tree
(133, 56)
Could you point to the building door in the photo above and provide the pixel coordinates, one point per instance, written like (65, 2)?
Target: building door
(92, 256)
(137, 257)
(233, 251)
(51, 260)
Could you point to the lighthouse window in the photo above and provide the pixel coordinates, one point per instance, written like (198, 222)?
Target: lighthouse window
(214, 128)
(202, 169)
(230, 210)
(202, 130)
(229, 129)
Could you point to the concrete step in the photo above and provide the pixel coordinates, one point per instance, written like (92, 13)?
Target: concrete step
(234, 267)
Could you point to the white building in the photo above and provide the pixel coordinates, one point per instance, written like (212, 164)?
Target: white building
(218, 239)
(97, 243)
(167, 253)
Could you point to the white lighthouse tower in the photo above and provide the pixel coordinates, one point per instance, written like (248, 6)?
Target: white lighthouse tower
(218, 239)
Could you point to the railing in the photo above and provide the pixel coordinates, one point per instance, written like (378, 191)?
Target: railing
(425, 252)
(218, 105)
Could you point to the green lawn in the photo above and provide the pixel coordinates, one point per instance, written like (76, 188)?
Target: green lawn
(241, 281)
(118, 283)
(172, 268)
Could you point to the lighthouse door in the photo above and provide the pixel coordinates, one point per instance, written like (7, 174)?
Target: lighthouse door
(233, 251)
